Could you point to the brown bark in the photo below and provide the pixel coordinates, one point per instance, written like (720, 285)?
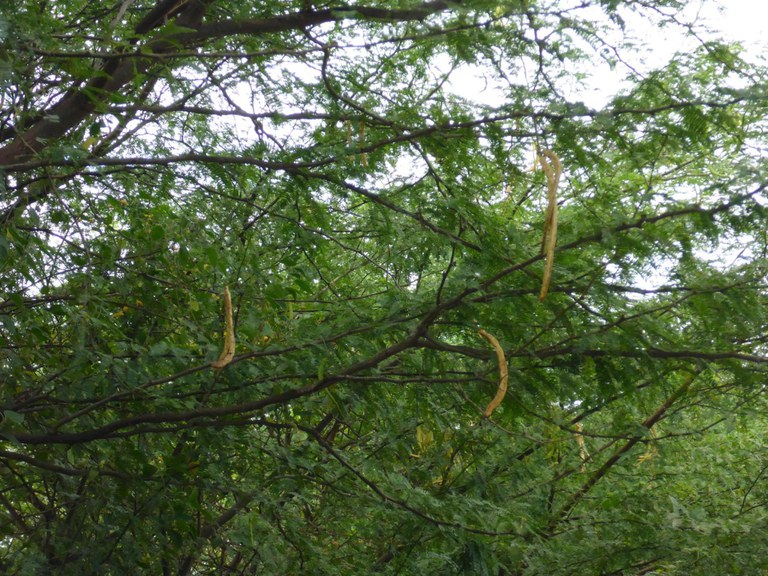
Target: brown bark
(79, 103)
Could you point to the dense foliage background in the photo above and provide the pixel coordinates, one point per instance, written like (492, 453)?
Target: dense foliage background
(325, 163)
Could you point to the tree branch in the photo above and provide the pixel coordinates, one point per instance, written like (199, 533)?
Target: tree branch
(77, 104)
(616, 456)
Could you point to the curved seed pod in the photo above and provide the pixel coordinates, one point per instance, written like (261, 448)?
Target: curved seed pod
(503, 373)
(583, 452)
(229, 334)
(552, 168)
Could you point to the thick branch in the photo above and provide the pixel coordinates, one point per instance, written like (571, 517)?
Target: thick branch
(306, 19)
(77, 104)
(577, 496)
(110, 430)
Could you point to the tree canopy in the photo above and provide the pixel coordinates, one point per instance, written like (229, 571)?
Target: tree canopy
(325, 288)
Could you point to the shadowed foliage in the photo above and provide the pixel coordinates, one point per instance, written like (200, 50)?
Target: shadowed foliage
(362, 180)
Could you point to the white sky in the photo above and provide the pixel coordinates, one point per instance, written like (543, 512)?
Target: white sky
(742, 21)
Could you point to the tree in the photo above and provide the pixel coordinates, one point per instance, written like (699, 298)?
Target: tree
(314, 160)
